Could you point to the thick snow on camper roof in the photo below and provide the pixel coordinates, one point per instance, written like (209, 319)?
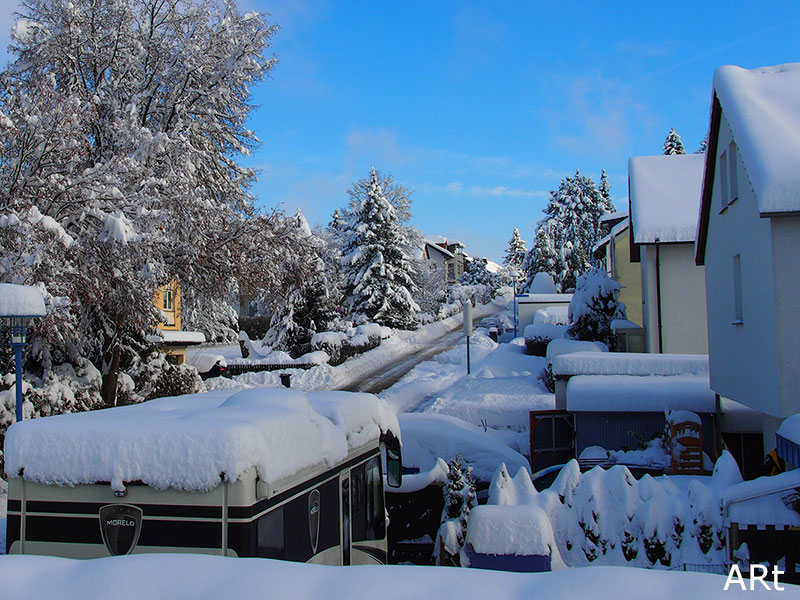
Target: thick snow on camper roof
(189, 442)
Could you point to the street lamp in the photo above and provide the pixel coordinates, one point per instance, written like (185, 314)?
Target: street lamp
(514, 276)
(18, 303)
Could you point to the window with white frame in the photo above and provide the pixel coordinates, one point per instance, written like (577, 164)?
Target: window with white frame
(737, 290)
(169, 300)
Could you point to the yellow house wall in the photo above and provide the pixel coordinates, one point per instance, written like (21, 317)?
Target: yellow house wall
(629, 277)
(173, 321)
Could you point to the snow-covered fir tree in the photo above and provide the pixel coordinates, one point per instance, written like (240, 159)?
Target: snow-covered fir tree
(122, 143)
(516, 251)
(594, 305)
(701, 149)
(308, 304)
(604, 187)
(673, 144)
(459, 499)
(377, 259)
(564, 239)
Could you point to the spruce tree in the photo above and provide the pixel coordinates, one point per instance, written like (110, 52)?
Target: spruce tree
(605, 189)
(701, 149)
(673, 144)
(516, 251)
(377, 263)
(459, 499)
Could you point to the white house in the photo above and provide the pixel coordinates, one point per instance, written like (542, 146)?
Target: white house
(749, 240)
(447, 253)
(664, 196)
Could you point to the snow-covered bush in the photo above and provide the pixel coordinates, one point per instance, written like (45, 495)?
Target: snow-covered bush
(539, 335)
(341, 346)
(156, 377)
(459, 499)
(594, 306)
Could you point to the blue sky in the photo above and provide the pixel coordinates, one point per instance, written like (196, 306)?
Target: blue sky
(481, 108)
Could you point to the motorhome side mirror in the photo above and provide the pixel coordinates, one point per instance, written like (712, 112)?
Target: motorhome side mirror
(394, 469)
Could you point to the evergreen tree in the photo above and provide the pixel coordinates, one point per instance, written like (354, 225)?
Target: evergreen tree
(565, 238)
(673, 144)
(377, 260)
(459, 499)
(701, 149)
(594, 306)
(605, 189)
(516, 251)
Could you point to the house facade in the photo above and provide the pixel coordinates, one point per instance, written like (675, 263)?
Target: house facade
(749, 240)
(664, 196)
(447, 253)
(613, 252)
(170, 338)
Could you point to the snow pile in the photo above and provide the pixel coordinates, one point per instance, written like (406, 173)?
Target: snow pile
(521, 530)
(414, 482)
(543, 284)
(195, 577)
(556, 315)
(544, 330)
(607, 517)
(21, 300)
(190, 442)
(790, 429)
(625, 393)
(630, 363)
(204, 360)
(665, 197)
(430, 437)
(560, 347)
(761, 107)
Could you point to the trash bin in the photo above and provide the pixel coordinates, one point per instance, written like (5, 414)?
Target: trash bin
(286, 380)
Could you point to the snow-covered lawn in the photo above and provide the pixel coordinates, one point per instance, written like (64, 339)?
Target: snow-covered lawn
(184, 577)
(501, 389)
(326, 377)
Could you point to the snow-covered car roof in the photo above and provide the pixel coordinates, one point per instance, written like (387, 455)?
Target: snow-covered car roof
(189, 442)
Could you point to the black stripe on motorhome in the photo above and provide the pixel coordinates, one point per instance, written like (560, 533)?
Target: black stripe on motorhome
(186, 510)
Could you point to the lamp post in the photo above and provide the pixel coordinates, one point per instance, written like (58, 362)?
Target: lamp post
(18, 303)
(514, 276)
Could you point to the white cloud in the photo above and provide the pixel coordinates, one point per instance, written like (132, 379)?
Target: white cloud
(454, 188)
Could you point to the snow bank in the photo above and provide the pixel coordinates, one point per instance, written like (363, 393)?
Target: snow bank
(428, 437)
(559, 347)
(414, 482)
(21, 300)
(630, 363)
(204, 360)
(762, 107)
(187, 442)
(665, 197)
(195, 577)
(630, 393)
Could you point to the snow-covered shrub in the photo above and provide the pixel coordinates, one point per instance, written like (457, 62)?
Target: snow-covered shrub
(594, 306)
(548, 379)
(340, 346)
(256, 327)
(459, 499)
(156, 377)
(539, 335)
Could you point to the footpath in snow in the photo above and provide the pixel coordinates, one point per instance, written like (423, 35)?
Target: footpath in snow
(194, 577)
(400, 346)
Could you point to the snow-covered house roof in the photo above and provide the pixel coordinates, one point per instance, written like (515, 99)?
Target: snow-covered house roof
(21, 301)
(432, 245)
(664, 197)
(614, 216)
(187, 442)
(169, 336)
(440, 239)
(762, 108)
(615, 231)
(494, 268)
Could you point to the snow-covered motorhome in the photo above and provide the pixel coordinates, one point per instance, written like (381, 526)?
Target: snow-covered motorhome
(270, 473)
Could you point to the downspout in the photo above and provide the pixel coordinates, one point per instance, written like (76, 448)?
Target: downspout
(224, 515)
(658, 297)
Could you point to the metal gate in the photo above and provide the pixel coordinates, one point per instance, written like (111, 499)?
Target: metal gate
(552, 434)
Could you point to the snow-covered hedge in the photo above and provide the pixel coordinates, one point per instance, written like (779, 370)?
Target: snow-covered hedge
(539, 335)
(607, 517)
(340, 346)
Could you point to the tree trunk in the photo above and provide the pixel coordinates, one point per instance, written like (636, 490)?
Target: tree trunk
(111, 374)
